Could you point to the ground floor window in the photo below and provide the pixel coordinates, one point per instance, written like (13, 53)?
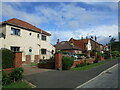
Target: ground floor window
(15, 49)
(43, 51)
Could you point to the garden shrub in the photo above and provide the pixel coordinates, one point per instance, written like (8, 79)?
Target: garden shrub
(6, 79)
(81, 65)
(15, 75)
(88, 63)
(99, 54)
(67, 62)
(116, 53)
(7, 58)
(106, 54)
(96, 60)
(52, 59)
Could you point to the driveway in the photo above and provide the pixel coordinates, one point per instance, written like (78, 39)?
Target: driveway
(29, 70)
(66, 79)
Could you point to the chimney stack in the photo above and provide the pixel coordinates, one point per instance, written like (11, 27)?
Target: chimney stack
(82, 37)
(58, 41)
(91, 37)
(95, 38)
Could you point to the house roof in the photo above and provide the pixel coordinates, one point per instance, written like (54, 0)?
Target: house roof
(24, 24)
(79, 43)
(66, 45)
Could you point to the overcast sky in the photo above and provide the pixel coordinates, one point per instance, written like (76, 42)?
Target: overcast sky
(66, 20)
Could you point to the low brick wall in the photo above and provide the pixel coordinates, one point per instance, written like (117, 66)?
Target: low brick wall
(77, 62)
(8, 69)
(82, 61)
(90, 60)
(50, 65)
(102, 58)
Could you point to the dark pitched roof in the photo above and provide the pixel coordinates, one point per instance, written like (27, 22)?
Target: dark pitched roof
(66, 45)
(24, 24)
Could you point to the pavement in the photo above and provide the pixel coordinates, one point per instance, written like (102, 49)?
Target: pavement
(66, 79)
(103, 80)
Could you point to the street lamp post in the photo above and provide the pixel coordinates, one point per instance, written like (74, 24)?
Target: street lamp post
(110, 49)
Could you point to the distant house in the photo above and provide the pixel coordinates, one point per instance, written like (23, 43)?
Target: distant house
(18, 35)
(68, 47)
(87, 44)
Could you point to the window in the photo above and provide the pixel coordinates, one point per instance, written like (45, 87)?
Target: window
(15, 31)
(15, 49)
(44, 37)
(43, 51)
(38, 35)
(30, 50)
(30, 34)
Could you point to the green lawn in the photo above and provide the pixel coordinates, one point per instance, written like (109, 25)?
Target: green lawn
(19, 84)
(88, 66)
(33, 64)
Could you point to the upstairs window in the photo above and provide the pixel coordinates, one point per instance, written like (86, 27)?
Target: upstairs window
(43, 37)
(15, 49)
(15, 31)
(38, 35)
(43, 51)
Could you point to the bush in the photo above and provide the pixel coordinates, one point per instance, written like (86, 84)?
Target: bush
(81, 54)
(67, 62)
(52, 59)
(15, 75)
(81, 65)
(106, 54)
(116, 53)
(7, 58)
(99, 54)
(96, 60)
(6, 79)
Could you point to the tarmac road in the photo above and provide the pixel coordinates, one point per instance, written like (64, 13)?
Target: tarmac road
(108, 79)
(66, 79)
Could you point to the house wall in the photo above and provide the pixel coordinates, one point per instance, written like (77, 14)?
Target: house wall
(25, 41)
(95, 46)
(88, 45)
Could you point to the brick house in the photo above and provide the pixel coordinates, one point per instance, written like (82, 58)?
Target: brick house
(18, 35)
(87, 45)
(68, 47)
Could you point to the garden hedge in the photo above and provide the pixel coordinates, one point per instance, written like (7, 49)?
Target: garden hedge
(7, 58)
(67, 62)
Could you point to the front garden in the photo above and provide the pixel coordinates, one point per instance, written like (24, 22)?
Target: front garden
(11, 76)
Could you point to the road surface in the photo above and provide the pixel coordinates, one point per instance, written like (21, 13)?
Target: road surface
(108, 79)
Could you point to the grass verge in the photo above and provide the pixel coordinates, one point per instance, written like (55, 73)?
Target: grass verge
(20, 84)
(33, 64)
(87, 67)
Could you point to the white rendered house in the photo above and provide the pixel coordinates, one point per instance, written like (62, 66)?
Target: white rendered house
(18, 35)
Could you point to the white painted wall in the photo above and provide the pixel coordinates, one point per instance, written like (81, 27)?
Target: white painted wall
(25, 41)
(89, 45)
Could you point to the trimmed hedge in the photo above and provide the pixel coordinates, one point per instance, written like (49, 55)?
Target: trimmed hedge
(7, 58)
(67, 62)
(15, 75)
(81, 64)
